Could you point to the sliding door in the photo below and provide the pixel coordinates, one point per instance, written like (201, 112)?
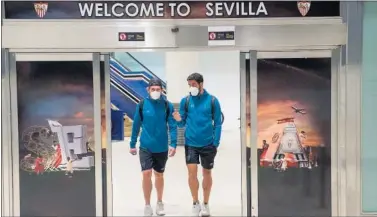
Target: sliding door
(293, 148)
(56, 134)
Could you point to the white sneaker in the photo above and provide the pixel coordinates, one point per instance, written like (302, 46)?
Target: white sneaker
(196, 209)
(205, 210)
(160, 211)
(148, 211)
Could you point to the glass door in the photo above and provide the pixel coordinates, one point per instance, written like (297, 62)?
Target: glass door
(56, 134)
(292, 145)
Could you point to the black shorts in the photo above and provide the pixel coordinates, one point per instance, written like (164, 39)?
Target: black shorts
(155, 161)
(201, 155)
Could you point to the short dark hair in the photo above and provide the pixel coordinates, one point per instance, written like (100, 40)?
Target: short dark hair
(155, 82)
(195, 77)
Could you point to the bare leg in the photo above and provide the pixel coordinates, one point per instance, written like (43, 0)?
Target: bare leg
(193, 181)
(159, 185)
(207, 185)
(147, 186)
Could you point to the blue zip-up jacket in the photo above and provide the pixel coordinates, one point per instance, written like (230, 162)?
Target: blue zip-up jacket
(201, 129)
(154, 134)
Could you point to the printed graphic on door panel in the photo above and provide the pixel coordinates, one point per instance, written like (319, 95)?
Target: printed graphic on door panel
(57, 148)
(56, 145)
(290, 151)
(289, 131)
(294, 137)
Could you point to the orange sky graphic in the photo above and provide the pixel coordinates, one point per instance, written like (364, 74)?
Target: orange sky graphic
(270, 112)
(79, 115)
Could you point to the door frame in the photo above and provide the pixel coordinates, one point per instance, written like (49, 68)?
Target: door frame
(243, 133)
(6, 136)
(338, 171)
(10, 92)
(105, 58)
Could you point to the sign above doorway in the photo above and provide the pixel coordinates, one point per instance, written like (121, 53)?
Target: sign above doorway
(167, 9)
(221, 36)
(131, 36)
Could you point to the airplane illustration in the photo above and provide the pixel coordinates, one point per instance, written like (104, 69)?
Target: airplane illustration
(298, 110)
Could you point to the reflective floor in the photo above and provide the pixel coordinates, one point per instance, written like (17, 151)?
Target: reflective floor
(226, 190)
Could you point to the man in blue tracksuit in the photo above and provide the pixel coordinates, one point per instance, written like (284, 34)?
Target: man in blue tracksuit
(154, 116)
(201, 114)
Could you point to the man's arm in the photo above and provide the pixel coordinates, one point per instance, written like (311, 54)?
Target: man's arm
(182, 112)
(135, 127)
(217, 123)
(172, 127)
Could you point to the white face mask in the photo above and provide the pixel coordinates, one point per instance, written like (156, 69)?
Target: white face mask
(194, 91)
(155, 95)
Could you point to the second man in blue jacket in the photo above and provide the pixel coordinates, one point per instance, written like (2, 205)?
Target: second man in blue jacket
(154, 116)
(201, 114)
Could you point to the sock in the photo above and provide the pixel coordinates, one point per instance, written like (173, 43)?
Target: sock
(195, 202)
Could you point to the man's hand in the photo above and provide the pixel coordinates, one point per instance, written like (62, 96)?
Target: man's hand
(133, 151)
(172, 151)
(177, 116)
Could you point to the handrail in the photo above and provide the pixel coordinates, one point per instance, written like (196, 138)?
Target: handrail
(114, 59)
(146, 69)
(114, 63)
(125, 86)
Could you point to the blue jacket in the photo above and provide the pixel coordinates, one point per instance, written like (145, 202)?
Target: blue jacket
(201, 129)
(154, 134)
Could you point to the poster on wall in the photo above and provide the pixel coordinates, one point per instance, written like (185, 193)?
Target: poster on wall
(56, 145)
(168, 9)
(294, 136)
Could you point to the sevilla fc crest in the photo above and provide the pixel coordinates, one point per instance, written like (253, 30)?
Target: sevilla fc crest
(41, 9)
(303, 7)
